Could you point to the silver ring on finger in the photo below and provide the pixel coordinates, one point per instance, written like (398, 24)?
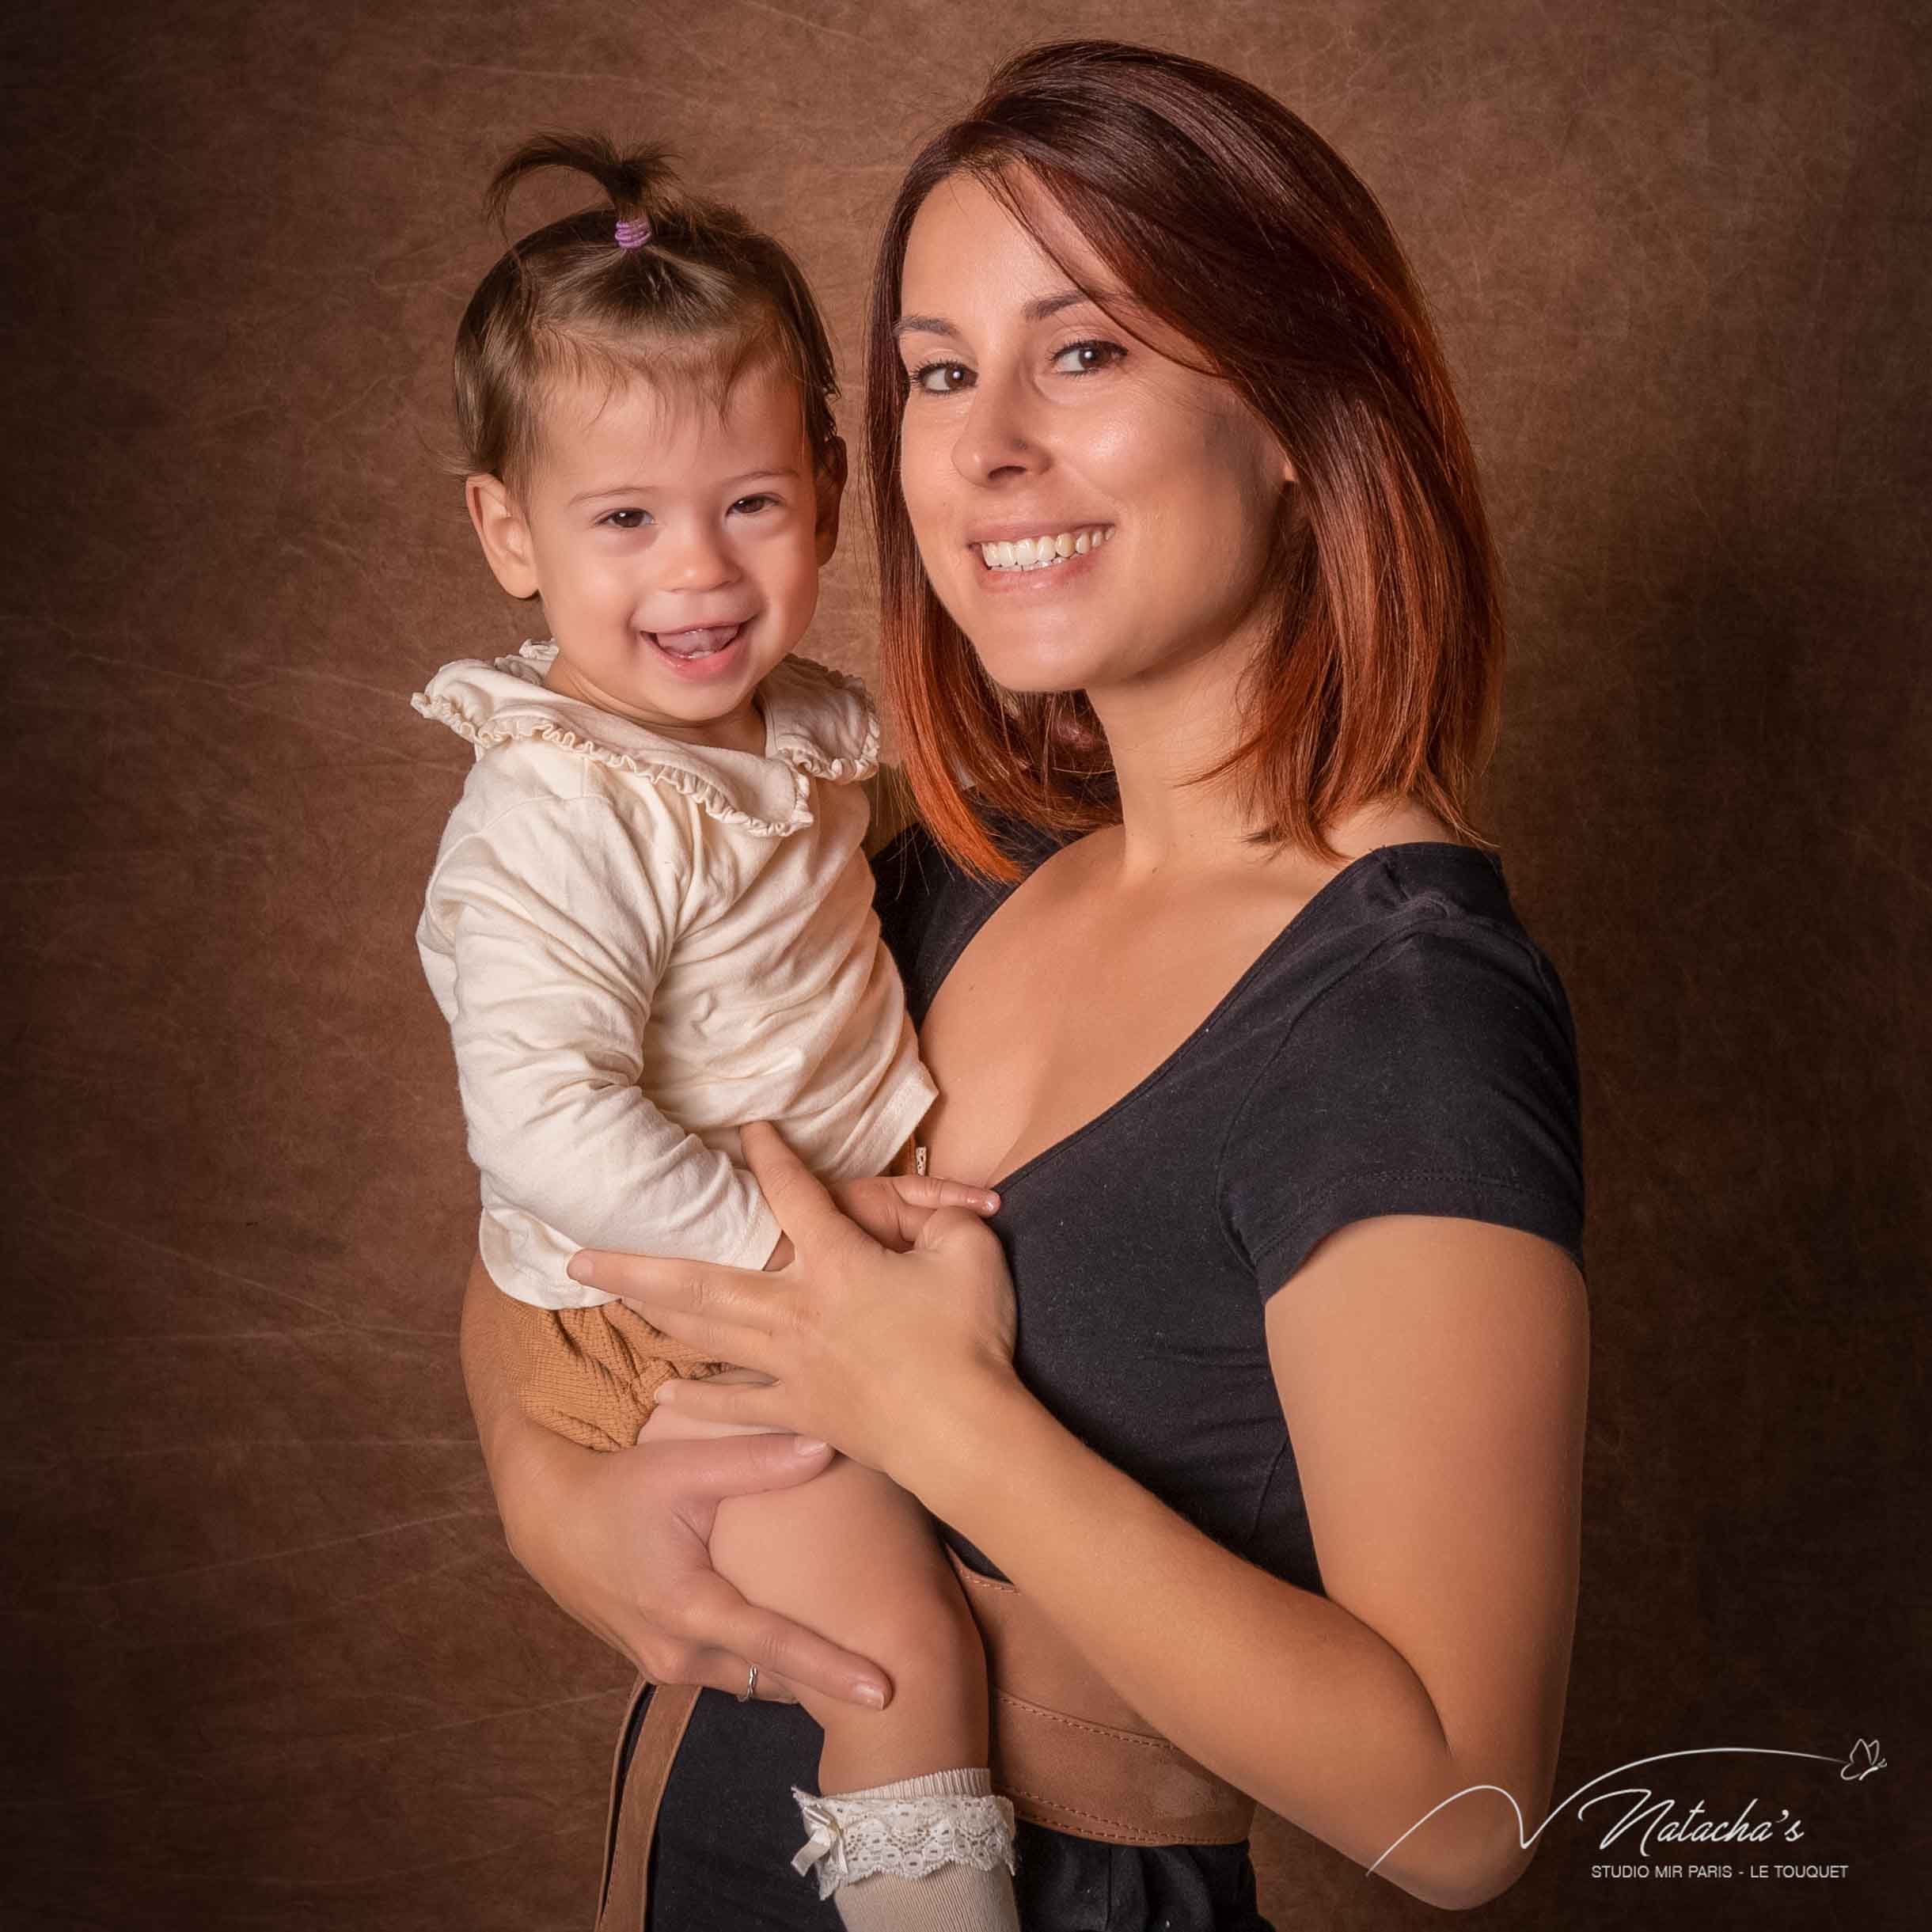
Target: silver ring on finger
(751, 1687)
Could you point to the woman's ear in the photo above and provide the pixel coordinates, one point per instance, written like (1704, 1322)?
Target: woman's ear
(503, 534)
(830, 487)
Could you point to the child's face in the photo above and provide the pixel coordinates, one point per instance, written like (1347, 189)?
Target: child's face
(676, 545)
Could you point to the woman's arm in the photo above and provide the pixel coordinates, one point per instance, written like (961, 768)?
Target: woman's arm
(1435, 1368)
(620, 1539)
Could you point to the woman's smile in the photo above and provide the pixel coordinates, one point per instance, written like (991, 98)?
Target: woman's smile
(1037, 426)
(1034, 562)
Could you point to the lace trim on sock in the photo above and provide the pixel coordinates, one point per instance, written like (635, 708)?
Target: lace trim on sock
(853, 1837)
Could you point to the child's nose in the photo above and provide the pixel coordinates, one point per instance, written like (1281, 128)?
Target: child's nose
(696, 559)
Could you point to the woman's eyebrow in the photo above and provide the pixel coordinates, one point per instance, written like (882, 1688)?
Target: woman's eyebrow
(1037, 310)
(922, 325)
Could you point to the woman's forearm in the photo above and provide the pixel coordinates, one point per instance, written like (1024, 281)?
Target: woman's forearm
(1281, 1692)
(518, 1453)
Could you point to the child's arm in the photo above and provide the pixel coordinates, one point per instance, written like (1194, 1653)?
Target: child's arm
(558, 919)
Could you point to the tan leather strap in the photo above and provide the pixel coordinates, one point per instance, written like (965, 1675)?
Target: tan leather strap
(1070, 1753)
(634, 1792)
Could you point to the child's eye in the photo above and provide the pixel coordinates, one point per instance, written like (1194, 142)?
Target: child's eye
(953, 377)
(625, 519)
(1089, 357)
(752, 505)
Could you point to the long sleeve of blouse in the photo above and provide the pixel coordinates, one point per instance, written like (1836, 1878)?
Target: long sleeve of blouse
(559, 916)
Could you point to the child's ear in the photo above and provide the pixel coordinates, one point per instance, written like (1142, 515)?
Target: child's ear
(502, 533)
(830, 486)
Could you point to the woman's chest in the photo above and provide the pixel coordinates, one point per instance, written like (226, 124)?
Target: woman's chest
(1062, 1005)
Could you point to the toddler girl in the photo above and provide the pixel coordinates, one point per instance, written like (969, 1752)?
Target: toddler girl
(650, 922)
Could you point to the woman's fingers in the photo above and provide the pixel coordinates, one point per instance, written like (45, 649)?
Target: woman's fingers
(740, 1465)
(718, 1309)
(893, 1207)
(927, 1190)
(788, 1650)
(737, 1402)
(805, 1211)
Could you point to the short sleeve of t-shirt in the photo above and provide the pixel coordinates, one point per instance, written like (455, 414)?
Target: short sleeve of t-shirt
(1437, 1074)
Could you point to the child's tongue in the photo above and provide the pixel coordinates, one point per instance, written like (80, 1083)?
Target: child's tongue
(695, 643)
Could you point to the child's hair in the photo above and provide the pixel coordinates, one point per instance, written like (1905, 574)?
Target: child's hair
(690, 291)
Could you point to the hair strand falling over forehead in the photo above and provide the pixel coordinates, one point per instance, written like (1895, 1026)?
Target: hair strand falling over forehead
(654, 283)
(1229, 219)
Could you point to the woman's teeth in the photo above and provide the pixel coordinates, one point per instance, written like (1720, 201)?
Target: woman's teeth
(1040, 552)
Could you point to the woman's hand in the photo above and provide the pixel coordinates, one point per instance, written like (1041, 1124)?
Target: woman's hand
(893, 1207)
(874, 1351)
(620, 1537)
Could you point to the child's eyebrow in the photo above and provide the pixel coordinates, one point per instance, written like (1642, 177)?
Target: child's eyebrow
(644, 489)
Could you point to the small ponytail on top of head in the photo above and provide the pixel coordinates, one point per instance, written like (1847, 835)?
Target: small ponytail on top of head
(638, 180)
(654, 282)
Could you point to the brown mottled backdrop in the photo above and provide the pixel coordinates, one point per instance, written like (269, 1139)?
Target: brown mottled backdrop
(270, 1664)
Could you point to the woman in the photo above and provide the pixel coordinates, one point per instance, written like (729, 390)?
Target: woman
(1223, 995)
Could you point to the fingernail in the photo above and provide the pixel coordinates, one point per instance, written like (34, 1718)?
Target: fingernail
(871, 1696)
(580, 1268)
(803, 1446)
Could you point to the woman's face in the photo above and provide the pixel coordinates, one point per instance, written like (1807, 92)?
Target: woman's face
(1037, 427)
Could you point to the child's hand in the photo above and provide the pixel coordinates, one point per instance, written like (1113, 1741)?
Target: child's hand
(892, 1209)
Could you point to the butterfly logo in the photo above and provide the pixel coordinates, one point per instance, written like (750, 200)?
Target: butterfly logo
(1863, 1761)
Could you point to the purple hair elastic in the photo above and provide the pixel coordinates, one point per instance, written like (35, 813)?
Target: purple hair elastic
(633, 234)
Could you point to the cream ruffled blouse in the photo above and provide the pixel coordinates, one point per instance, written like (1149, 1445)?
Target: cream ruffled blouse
(640, 945)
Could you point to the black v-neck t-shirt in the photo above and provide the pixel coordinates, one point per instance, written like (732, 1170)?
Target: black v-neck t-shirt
(1401, 1047)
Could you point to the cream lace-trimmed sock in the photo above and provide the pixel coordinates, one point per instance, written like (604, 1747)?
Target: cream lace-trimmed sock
(927, 1854)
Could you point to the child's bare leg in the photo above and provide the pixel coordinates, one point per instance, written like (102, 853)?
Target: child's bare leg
(851, 1555)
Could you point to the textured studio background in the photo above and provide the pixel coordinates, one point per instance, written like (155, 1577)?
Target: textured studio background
(268, 1664)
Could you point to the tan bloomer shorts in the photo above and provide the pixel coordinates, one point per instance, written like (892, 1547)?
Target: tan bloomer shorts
(593, 1374)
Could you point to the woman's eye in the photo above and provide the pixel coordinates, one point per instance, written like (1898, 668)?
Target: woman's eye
(624, 519)
(1086, 357)
(752, 505)
(942, 378)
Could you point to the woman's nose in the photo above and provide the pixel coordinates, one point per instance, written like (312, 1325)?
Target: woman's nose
(996, 443)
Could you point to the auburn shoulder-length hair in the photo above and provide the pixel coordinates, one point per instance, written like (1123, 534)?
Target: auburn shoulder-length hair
(1232, 222)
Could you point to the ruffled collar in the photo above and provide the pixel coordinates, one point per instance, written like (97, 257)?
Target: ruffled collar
(818, 723)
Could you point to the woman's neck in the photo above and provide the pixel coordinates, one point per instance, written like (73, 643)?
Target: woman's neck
(1162, 732)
